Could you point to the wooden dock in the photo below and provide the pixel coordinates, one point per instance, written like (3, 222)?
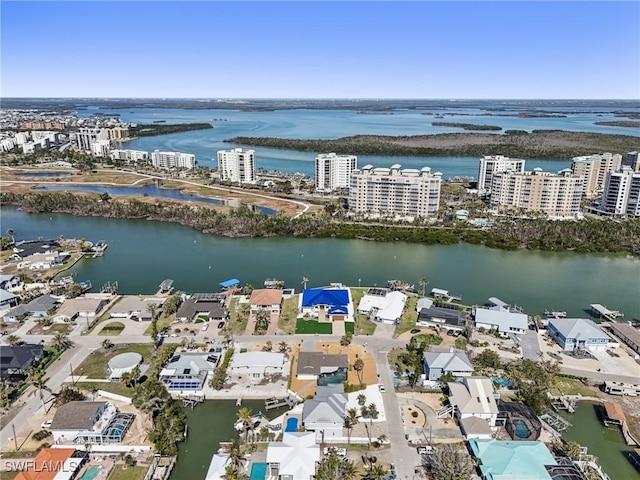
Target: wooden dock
(603, 312)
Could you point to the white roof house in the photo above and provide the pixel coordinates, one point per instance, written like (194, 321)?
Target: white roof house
(257, 364)
(217, 467)
(389, 307)
(474, 397)
(578, 333)
(424, 303)
(325, 413)
(437, 364)
(506, 322)
(295, 457)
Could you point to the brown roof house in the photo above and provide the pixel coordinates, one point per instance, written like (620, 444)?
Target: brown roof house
(269, 299)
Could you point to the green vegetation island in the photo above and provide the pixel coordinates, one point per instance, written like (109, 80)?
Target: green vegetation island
(467, 126)
(541, 144)
(585, 236)
(144, 130)
(621, 123)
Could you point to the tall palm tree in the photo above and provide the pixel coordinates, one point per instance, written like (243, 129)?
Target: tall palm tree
(135, 375)
(38, 381)
(13, 340)
(376, 472)
(282, 347)
(423, 282)
(61, 341)
(236, 458)
(358, 366)
(107, 343)
(350, 420)
(244, 416)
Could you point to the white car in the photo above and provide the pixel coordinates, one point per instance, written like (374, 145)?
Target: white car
(46, 424)
(381, 387)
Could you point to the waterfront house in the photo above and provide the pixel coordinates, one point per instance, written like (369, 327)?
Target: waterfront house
(81, 422)
(474, 398)
(325, 413)
(207, 306)
(218, 466)
(54, 464)
(313, 365)
(327, 304)
(511, 460)
(84, 308)
(442, 317)
(437, 364)
(135, 307)
(388, 306)
(294, 458)
(269, 299)
(186, 372)
(43, 261)
(7, 299)
(257, 365)
(507, 321)
(27, 248)
(577, 334)
(628, 334)
(38, 307)
(17, 359)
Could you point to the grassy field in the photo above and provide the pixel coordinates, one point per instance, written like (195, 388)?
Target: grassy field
(130, 473)
(118, 388)
(313, 326)
(112, 329)
(363, 325)
(409, 316)
(103, 318)
(95, 365)
(238, 319)
(573, 386)
(429, 338)
(349, 327)
(287, 323)
(163, 322)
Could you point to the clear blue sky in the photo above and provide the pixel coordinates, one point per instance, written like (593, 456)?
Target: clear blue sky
(305, 49)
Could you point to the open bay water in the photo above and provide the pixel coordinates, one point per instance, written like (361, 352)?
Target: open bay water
(331, 124)
(143, 253)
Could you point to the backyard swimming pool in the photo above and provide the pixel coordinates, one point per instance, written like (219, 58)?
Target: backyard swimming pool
(258, 471)
(90, 473)
(292, 425)
(521, 430)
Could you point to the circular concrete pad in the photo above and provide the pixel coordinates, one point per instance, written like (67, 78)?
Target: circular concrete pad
(125, 360)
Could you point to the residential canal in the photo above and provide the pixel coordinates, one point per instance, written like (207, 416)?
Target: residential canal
(209, 424)
(606, 443)
(141, 254)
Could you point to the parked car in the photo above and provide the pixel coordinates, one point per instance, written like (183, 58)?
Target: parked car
(204, 327)
(415, 330)
(46, 424)
(428, 450)
(382, 388)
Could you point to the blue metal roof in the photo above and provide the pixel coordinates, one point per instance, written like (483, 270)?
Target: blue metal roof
(319, 296)
(230, 283)
(338, 310)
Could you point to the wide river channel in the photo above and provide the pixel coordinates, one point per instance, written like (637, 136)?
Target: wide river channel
(141, 254)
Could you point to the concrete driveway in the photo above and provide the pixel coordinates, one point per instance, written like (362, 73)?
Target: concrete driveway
(530, 346)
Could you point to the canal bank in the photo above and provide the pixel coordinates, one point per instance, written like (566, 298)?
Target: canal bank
(606, 443)
(143, 253)
(210, 423)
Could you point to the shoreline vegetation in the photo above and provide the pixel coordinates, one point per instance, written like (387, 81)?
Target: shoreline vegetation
(620, 123)
(467, 126)
(541, 144)
(152, 130)
(585, 236)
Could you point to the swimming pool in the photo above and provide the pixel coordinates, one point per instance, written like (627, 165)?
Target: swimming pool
(258, 471)
(292, 425)
(90, 473)
(521, 430)
(331, 378)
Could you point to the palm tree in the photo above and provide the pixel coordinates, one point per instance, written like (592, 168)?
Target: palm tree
(135, 375)
(13, 340)
(107, 343)
(152, 308)
(304, 282)
(61, 341)
(358, 366)
(376, 472)
(244, 416)
(282, 347)
(423, 282)
(236, 458)
(349, 422)
(126, 378)
(38, 381)
(263, 318)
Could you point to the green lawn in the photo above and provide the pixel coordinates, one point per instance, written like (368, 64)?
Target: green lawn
(111, 329)
(429, 338)
(95, 365)
(287, 323)
(409, 316)
(118, 388)
(349, 327)
(130, 473)
(313, 326)
(363, 325)
(103, 318)
(238, 319)
(461, 343)
(573, 386)
(163, 322)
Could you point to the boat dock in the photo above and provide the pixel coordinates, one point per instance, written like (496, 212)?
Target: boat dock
(557, 423)
(166, 287)
(555, 314)
(444, 294)
(603, 312)
(564, 402)
(613, 414)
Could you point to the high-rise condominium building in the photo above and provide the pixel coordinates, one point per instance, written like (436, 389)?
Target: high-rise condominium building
(334, 171)
(408, 192)
(100, 148)
(594, 169)
(557, 195)
(129, 155)
(86, 137)
(622, 194)
(237, 165)
(173, 159)
(492, 164)
(632, 159)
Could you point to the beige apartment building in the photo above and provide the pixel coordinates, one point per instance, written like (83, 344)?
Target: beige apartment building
(394, 191)
(594, 169)
(556, 195)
